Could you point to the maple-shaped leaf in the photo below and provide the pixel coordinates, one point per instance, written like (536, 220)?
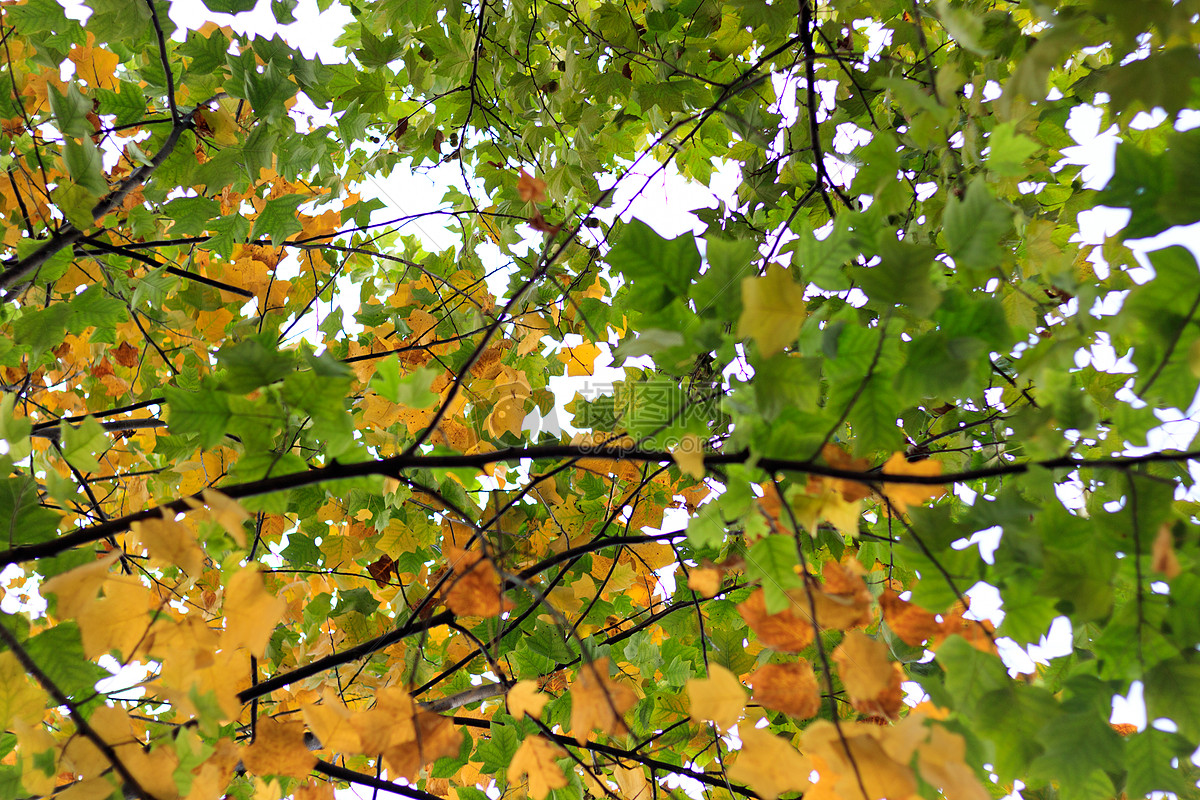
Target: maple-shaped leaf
(632, 782)
(530, 189)
(20, 698)
(475, 588)
(279, 749)
(227, 512)
(524, 698)
(719, 698)
(902, 495)
(598, 702)
(769, 765)
(536, 758)
(119, 620)
(790, 688)
(580, 360)
(773, 309)
(822, 500)
(380, 569)
(76, 588)
(94, 65)
(251, 612)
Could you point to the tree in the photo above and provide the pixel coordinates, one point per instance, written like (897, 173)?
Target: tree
(328, 531)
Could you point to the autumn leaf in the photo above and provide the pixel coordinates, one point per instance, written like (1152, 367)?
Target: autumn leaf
(380, 569)
(689, 456)
(535, 758)
(632, 782)
(769, 765)
(226, 511)
(773, 309)
(530, 189)
(170, 543)
(785, 631)
(902, 495)
(20, 698)
(332, 723)
(251, 613)
(475, 588)
(524, 698)
(434, 737)
(913, 624)
(872, 681)
(95, 65)
(1162, 554)
(705, 580)
(719, 698)
(790, 688)
(598, 702)
(580, 359)
(392, 720)
(942, 763)
(857, 755)
(75, 588)
(279, 749)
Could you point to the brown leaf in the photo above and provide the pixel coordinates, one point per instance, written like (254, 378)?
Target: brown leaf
(531, 189)
(863, 665)
(784, 631)
(539, 223)
(705, 580)
(380, 569)
(126, 355)
(434, 737)
(790, 688)
(1163, 553)
(598, 702)
(279, 749)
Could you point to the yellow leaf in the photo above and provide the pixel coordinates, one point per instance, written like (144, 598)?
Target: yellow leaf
(94, 65)
(487, 219)
(279, 749)
(689, 455)
(580, 360)
(20, 698)
(475, 587)
(88, 789)
(226, 511)
(718, 698)
(390, 721)
(863, 665)
(705, 580)
(170, 543)
(532, 328)
(434, 737)
(598, 702)
(118, 621)
(902, 495)
(913, 624)
(856, 753)
(331, 723)
(769, 765)
(524, 698)
(632, 782)
(78, 587)
(772, 310)
(315, 790)
(790, 688)
(942, 763)
(536, 758)
(251, 612)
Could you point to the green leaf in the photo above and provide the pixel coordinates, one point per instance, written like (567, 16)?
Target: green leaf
(360, 600)
(82, 442)
(411, 390)
(58, 651)
(1009, 151)
(707, 528)
(70, 111)
(974, 226)
(251, 364)
(230, 6)
(278, 220)
(1172, 690)
(204, 413)
(21, 513)
(661, 269)
(83, 164)
(773, 560)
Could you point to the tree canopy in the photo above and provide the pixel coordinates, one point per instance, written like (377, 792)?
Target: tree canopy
(260, 439)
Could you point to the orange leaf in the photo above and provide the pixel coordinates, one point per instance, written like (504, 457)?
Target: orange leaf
(598, 702)
(790, 688)
(1163, 554)
(913, 624)
(705, 580)
(856, 753)
(902, 495)
(95, 65)
(475, 590)
(942, 763)
(434, 737)
(279, 749)
(784, 631)
(863, 665)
